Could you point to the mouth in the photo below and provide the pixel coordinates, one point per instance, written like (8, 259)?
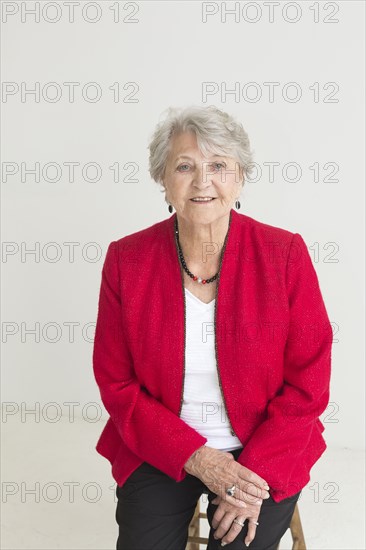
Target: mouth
(201, 200)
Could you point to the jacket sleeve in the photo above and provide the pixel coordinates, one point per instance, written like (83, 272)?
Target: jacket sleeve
(147, 427)
(280, 440)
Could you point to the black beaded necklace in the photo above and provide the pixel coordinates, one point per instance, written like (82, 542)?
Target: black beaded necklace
(184, 265)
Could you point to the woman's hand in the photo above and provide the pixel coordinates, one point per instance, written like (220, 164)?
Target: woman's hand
(224, 517)
(219, 471)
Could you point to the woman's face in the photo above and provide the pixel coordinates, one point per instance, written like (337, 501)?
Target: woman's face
(188, 174)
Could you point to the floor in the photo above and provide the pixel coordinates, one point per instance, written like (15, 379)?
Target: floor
(58, 493)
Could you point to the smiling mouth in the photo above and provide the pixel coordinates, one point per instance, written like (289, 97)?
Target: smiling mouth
(203, 199)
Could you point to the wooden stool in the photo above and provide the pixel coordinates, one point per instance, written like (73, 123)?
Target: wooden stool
(194, 539)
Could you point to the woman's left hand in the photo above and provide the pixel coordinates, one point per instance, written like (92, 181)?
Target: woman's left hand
(224, 517)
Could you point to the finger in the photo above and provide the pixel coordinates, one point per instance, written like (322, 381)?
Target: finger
(248, 485)
(241, 499)
(217, 517)
(225, 526)
(234, 530)
(252, 491)
(238, 500)
(252, 477)
(252, 528)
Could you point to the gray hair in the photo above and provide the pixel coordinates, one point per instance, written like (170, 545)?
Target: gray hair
(216, 132)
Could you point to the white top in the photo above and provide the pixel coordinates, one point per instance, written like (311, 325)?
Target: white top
(203, 408)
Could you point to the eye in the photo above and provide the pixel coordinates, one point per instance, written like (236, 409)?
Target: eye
(217, 166)
(182, 165)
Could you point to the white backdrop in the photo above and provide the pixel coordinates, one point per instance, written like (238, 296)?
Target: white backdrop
(292, 73)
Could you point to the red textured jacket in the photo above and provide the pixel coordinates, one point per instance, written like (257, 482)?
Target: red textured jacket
(273, 351)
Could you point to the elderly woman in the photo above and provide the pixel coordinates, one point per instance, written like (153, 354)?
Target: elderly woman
(212, 353)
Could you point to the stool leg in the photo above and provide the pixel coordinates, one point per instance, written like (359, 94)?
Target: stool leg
(194, 529)
(296, 531)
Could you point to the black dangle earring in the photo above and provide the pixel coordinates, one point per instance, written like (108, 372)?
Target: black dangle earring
(237, 205)
(170, 208)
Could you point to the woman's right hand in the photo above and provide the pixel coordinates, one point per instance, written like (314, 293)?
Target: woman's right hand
(219, 470)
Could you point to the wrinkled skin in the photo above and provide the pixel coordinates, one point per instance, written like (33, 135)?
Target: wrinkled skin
(224, 516)
(218, 470)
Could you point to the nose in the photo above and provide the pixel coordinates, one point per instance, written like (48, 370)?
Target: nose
(202, 178)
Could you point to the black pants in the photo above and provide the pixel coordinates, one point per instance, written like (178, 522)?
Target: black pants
(154, 512)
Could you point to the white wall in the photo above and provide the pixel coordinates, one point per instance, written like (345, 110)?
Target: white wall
(170, 53)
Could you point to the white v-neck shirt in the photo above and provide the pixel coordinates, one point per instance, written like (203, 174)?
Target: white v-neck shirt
(203, 408)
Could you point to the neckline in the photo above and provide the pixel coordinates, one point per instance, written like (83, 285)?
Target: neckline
(198, 300)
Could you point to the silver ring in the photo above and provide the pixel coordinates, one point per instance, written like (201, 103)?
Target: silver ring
(238, 522)
(231, 491)
(256, 522)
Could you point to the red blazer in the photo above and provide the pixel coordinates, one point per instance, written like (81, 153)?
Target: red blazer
(273, 351)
